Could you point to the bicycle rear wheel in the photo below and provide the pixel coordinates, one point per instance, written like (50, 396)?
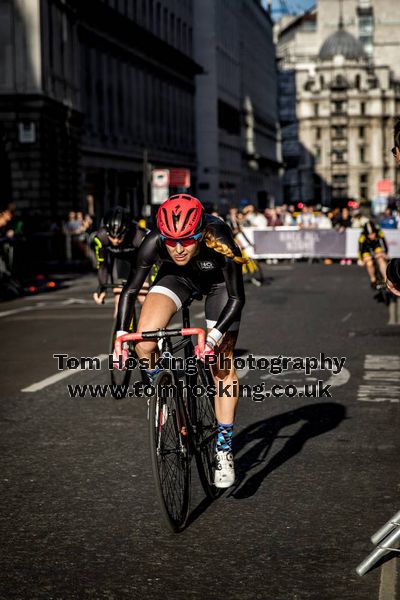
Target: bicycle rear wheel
(206, 435)
(170, 452)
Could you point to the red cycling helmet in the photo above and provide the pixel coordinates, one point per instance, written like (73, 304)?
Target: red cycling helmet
(181, 216)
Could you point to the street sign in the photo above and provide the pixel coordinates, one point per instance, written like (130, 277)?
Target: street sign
(384, 187)
(160, 178)
(179, 178)
(159, 185)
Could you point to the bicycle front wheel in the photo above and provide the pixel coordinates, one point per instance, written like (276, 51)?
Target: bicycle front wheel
(170, 452)
(206, 435)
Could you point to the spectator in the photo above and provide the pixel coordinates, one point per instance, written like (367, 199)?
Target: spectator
(323, 221)
(306, 219)
(388, 220)
(286, 215)
(343, 220)
(253, 218)
(358, 221)
(233, 219)
(272, 217)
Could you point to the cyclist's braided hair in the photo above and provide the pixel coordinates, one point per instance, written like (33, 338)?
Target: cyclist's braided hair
(214, 244)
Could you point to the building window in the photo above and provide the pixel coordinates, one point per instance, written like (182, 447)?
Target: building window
(144, 13)
(362, 108)
(178, 33)
(172, 29)
(339, 179)
(358, 82)
(338, 132)
(316, 109)
(322, 82)
(165, 25)
(364, 186)
(317, 154)
(339, 186)
(151, 15)
(338, 107)
(361, 132)
(184, 38)
(366, 29)
(318, 133)
(338, 156)
(158, 19)
(362, 154)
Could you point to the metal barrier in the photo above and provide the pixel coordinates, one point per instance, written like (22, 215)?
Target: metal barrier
(385, 539)
(292, 242)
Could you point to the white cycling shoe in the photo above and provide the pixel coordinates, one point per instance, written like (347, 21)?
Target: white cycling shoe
(224, 475)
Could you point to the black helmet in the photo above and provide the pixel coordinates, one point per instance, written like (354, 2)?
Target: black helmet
(117, 222)
(370, 228)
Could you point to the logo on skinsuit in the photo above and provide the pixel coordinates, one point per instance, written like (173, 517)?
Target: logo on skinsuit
(205, 265)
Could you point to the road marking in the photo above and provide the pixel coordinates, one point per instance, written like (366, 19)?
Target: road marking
(334, 380)
(381, 374)
(76, 301)
(35, 387)
(347, 317)
(15, 311)
(387, 585)
(199, 315)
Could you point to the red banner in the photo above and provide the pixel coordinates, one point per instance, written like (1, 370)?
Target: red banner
(179, 178)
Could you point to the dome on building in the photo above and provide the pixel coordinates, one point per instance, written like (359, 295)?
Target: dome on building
(342, 42)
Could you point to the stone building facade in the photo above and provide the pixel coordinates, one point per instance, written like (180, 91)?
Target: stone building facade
(90, 94)
(340, 95)
(236, 103)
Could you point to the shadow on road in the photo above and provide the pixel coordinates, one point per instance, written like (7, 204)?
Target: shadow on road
(254, 443)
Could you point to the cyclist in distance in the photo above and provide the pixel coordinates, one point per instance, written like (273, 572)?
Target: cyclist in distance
(115, 246)
(372, 242)
(197, 254)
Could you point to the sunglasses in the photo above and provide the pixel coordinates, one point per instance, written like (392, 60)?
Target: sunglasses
(185, 243)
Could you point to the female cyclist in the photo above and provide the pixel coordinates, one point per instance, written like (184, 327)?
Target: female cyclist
(197, 253)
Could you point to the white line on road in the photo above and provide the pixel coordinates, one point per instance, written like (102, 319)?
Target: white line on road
(347, 317)
(15, 311)
(35, 387)
(387, 586)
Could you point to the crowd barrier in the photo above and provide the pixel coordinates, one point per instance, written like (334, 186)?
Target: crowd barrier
(290, 242)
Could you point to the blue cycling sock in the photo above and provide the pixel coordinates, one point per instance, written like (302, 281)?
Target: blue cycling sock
(152, 373)
(224, 438)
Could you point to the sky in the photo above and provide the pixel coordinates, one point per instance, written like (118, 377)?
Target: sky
(295, 6)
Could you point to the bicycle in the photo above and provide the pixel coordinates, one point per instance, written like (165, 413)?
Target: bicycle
(383, 294)
(119, 379)
(181, 424)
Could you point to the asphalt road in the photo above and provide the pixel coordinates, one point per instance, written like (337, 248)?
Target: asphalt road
(316, 476)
